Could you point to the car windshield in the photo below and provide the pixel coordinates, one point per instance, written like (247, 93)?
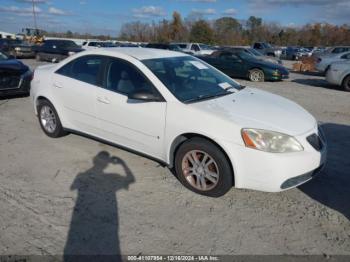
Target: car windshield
(254, 52)
(174, 48)
(3, 57)
(67, 44)
(190, 79)
(244, 55)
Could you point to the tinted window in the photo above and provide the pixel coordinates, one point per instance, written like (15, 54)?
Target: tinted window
(124, 78)
(195, 47)
(85, 69)
(228, 56)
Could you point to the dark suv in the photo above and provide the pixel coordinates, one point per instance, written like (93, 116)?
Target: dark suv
(16, 48)
(56, 50)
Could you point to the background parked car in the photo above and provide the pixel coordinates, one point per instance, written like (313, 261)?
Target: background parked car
(237, 63)
(196, 48)
(332, 51)
(339, 74)
(87, 45)
(16, 48)
(56, 50)
(323, 63)
(267, 49)
(173, 47)
(257, 54)
(295, 53)
(15, 77)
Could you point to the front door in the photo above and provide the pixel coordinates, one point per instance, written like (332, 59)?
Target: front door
(135, 124)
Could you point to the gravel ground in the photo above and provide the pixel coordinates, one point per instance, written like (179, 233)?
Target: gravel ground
(55, 191)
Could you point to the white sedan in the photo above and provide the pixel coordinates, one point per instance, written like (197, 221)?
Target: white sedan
(179, 110)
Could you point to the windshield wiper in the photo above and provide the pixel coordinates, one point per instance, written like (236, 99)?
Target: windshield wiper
(204, 97)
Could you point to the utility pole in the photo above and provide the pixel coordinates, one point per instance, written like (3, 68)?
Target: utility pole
(34, 15)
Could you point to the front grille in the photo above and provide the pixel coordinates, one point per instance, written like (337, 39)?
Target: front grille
(315, 142)
(9, 81)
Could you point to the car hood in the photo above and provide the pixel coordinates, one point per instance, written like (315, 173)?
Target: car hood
(266, 63)
(13, 64)
(253, 108)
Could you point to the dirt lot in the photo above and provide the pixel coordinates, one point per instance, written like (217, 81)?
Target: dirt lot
(53, 191)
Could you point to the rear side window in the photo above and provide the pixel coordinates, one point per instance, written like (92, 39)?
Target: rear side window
(85, 69)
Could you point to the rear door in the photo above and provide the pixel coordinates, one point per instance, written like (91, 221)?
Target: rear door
(76, 85)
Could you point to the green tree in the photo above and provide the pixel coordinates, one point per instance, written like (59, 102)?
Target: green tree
(201, 32)
(177, 28)
(228, 31)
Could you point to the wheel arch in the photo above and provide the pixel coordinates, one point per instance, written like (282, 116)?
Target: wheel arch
(180, 139)
(344, 78)
(256, 67)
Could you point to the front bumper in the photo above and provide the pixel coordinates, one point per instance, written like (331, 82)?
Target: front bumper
(274, 172)
(23, 54)
(23, 87)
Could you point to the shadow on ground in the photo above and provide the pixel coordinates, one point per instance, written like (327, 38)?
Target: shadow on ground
(332, 187)
(93, 232)
(307, 73)
(316, 82)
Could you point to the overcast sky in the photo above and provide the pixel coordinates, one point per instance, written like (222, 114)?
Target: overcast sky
(106, 16)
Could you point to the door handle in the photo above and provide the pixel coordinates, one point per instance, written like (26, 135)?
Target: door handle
(103, 100)
(58, 85)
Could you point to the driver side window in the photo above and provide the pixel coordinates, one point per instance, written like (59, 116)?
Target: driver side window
(122, 77)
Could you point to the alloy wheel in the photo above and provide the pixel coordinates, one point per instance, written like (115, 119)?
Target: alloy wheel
(200, 170)
(48, 119)
(256, 76)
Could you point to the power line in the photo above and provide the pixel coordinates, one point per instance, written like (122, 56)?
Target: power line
(34, 15)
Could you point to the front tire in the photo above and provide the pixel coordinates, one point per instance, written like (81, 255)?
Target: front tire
(49, 121)
(346, 83)
(256, 75)
(203, 168)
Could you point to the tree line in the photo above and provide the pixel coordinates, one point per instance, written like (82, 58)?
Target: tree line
(230, 31)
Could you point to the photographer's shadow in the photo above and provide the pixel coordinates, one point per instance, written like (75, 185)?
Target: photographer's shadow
(94, 225)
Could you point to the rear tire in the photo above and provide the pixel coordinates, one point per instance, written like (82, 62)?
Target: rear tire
(346, 83)
(203, 168)
(256, 75)
(49, 120)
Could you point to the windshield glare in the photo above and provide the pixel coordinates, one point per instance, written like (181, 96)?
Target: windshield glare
(190, 79)
(3, 57)
(254, 52)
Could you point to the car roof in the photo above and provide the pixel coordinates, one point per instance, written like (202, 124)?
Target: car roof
(140, 53)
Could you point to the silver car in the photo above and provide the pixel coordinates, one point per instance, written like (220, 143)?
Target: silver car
(339, 74)
(323, 63)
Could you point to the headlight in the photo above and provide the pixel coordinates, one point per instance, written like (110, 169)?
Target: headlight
(71, 53)
(17, 48)
(270, 141)
(276, 72)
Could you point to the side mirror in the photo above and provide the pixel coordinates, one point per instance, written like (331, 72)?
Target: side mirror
(144, 96)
